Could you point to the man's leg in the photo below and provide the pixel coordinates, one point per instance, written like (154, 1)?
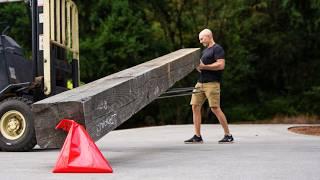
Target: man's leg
(222, 119)
(197, 100)
(196, 110)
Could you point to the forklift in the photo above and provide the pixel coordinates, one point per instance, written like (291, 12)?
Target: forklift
(54, 63)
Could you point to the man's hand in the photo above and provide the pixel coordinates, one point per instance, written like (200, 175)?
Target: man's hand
(198, 69)
(201, 66)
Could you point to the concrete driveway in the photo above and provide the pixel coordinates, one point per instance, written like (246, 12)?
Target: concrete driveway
(260, 152)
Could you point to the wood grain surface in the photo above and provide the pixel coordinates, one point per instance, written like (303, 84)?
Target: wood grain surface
(104, 104)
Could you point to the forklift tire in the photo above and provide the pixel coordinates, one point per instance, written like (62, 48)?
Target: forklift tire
(16, 125)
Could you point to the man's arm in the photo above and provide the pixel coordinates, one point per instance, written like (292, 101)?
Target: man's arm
(218, 65)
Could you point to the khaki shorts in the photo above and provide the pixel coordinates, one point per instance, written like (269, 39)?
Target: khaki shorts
(203, 91)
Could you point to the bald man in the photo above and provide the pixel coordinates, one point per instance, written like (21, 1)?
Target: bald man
(210, 68)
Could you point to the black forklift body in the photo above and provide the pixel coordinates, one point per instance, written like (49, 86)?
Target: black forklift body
(15, 70)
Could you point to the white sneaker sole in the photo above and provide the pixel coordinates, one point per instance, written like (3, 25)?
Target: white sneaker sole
(226, 142)
(201, 142)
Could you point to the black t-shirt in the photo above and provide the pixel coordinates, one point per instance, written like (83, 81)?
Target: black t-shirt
(209, 56)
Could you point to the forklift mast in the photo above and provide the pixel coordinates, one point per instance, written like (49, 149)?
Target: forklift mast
(55, 44)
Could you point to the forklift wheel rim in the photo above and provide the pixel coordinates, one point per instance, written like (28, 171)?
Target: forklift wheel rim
(12, 125)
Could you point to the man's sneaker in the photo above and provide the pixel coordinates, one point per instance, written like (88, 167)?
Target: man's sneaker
(194, 140)
(226, 139)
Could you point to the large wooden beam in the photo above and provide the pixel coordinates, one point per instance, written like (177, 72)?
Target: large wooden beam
(104, 104)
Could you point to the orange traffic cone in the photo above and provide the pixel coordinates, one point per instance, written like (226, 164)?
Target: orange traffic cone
(79, 153)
